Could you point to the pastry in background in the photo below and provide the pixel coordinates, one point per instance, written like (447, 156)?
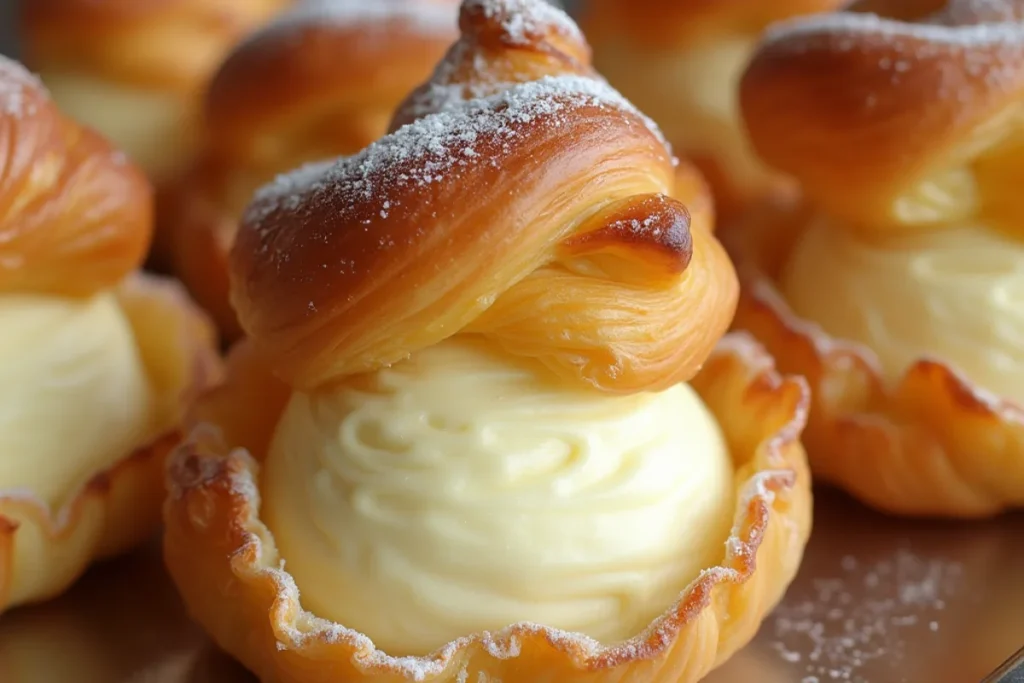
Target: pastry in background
(135, 70)
(318, 82)
(681, 61)
(97, 362)
(468, 404)
(897, 289)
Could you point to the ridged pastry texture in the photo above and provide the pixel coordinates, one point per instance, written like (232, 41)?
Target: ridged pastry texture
(681, 63)
(892, 289)
(135, 70)
(98, 362)
(319, 81)
(528, 211)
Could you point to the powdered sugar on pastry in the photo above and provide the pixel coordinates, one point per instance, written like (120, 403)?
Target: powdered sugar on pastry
(437, 147)
(424, 16)
(14, 79)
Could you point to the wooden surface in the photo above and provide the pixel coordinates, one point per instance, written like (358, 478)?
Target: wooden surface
(877, 601)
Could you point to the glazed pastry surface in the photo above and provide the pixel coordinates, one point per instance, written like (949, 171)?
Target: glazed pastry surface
(464, 490)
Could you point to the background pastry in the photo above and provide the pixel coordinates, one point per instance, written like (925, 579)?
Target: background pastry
(134, 70)
(906, 134)
(681, 63)
(320, 81)
(452, 443)
(96, 363)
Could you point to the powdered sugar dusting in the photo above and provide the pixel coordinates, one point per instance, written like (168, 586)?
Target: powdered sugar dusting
(427, 17)
(15, 80)
(860, 615)
(851, 25)
(523, 21)
(436, 147)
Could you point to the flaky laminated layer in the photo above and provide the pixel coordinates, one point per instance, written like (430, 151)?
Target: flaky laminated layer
(539, 217)
(164, 45)
(215, 537)
(944, 86)
(48, 536)
(75, 215)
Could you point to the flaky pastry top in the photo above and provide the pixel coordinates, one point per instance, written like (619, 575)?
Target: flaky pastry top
(911, 118)
(325, 70)
(541, 217)
(172, 44)
(676, 23)
(75, 214)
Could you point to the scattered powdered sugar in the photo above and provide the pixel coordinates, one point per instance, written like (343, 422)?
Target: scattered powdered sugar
(14, 81)
(851, 25)
(860, 615)
(437, 147)
(524, 20)
(427, 17)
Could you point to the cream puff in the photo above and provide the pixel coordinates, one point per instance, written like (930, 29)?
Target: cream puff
(319, 81)
(895, 288)
(97, 362)
(484, 421)
(681, 62)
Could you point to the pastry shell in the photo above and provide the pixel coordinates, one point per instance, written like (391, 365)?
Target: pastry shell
(225, 564)
(931, 444)
(43, 551)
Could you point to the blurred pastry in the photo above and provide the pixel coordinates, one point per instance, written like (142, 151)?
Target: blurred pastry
(320, 81)
(896, 289)
(681, 61)
(135, 69)
(97, 363)
(466, 424)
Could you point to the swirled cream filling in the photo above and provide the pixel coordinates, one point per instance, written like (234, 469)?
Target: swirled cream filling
(956, 295)
(154, 128)
(74, 394)
(463, 490)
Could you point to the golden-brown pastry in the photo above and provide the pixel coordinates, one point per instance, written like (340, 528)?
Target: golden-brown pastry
(467, 425)
(681, 61)
(135, 69)
(96, 363)
(320, 81)
(896, 289)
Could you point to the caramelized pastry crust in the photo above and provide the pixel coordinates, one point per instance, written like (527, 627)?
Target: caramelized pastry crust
(894, 295)
(319, 81)
(468, 347)
(681, 63)
(98, 364)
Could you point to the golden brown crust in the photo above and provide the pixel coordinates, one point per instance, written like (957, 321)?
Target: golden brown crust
(472, 218)
(215, 538)
(75, 214)
(313, 84)
(43, 551)
(943, 87)
(932, 444)
(159, 44)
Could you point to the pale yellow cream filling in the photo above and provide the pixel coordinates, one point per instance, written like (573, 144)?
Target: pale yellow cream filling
(74, 395)
(956, 295)
(464, 490)
(153, 127)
